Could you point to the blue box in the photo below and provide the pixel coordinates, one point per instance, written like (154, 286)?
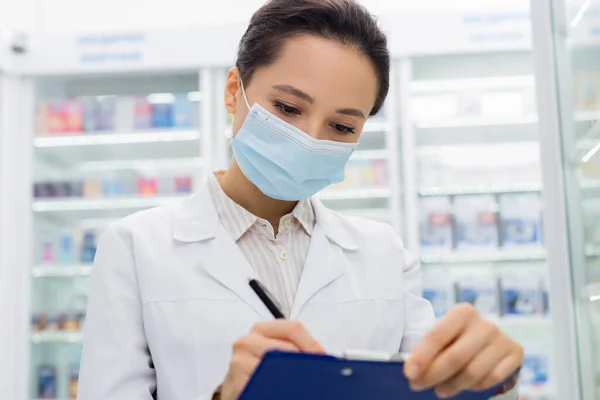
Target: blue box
(46, 382)
(162, 115)
(184, 112)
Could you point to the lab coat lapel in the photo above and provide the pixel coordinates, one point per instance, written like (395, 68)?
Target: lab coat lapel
(326, 260)
(196, 223)
(223, 260)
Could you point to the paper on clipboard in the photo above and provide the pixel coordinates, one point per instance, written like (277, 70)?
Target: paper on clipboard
(368, 355)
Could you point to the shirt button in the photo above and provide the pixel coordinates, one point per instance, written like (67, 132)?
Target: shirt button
(283, 255)
(287, 224)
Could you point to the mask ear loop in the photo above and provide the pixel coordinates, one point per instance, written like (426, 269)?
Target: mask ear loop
(229, 134)
(244, 93)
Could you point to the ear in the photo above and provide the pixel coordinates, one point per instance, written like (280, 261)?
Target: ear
(232, 90)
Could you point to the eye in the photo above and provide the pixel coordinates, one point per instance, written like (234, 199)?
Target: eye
(286, 109)
(339, 128)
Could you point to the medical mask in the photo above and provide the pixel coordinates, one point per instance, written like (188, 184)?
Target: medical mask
(284, 162)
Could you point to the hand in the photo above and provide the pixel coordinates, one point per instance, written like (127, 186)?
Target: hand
(463, 351)
(280, 334)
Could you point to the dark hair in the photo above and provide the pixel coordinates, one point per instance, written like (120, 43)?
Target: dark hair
(345, 21)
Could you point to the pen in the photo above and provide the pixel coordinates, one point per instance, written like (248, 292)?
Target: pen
(267, 298)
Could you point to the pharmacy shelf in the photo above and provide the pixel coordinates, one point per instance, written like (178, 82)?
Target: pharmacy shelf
(498, 256)
(110, 139)
(71, 150)
(370, 155)
(476, 130)
(354, 194)
(543, 392)
(427, 191)
(592, 251)
(478, 121)
(51, 271)
(590, 183)
(57, 398)
(482, 121)
(134, 203)
(377, 214)
(522, 321)
(376, 125)
(141, 165)
(456, 85)
(56, 337)
(584, 116)
(591, 292)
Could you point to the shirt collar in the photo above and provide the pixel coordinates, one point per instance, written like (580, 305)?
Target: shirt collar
(305, 215)
(237, 220)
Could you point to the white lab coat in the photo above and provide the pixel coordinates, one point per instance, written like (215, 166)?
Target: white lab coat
(169, 296)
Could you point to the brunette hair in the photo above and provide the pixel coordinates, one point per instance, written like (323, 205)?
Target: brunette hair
(344, 21)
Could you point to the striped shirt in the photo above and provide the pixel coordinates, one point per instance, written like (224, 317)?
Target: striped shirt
(277, 260)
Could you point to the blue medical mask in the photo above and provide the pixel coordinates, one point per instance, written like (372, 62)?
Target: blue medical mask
(284, 162)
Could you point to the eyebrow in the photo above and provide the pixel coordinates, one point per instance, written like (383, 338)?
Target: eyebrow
(289, 89)
(351, 111)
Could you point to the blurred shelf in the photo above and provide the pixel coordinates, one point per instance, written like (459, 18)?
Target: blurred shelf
(590, 183)
(522, 321)
(377, 214)
(591, 292)
(453, 85)
(55, 398)
(508, 255)
(592, 115)
(483, 189)
(56, 337)
(376, 125)
(52, 271)
(460, 122)
(482, 121)
(370, 155)
(75, 204)
(542, 392)
(102, 139)
(156, 164)
(352, 194)
(476, 130)
(592, 251)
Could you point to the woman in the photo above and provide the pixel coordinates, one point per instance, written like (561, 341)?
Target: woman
(171, 314)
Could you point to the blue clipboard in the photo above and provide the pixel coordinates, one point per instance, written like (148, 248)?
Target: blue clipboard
(301, 376)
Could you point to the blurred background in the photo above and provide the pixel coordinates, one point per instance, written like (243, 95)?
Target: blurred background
(485, 159)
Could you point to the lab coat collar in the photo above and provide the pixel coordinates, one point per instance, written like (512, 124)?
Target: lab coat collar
(196, 219)
(333, 226)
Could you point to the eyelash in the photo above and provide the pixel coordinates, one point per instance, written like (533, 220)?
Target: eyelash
(288, 110)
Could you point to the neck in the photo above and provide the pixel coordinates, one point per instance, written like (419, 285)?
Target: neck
(239, 189)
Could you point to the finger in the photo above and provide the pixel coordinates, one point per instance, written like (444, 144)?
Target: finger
(242, 365)
(476, 370)
(457, 356)
(503, 370)
(444, 333)
(291, 331)
(258, 345)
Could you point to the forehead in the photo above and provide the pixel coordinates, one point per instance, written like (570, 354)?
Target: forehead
(334, 74)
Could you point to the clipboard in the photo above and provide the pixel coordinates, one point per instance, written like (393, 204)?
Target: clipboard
(301, 376)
